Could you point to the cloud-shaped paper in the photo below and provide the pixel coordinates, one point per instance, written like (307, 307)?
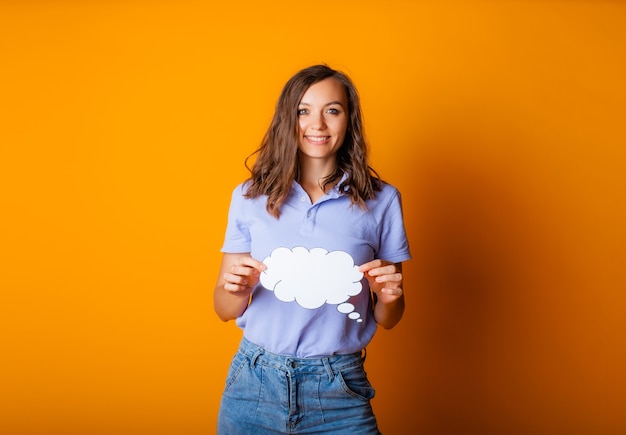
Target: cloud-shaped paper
(313, 278)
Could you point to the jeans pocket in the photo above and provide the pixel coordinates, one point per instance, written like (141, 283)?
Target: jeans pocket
(238, 363)
(354, 382)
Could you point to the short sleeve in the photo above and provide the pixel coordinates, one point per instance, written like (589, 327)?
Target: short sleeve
(237, 237)
(393, 243)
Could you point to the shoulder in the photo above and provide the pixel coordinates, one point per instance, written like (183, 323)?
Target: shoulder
(241, 187)
(387, 201)
(388, 188)
(240, 190)
(240, 199)
(387, 192)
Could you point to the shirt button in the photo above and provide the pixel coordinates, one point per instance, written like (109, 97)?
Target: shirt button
(303, 198)
(308, 214)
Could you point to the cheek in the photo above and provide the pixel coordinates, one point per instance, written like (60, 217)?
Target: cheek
(342, 127)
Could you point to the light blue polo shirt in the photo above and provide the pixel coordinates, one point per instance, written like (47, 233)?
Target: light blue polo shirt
(311, 300)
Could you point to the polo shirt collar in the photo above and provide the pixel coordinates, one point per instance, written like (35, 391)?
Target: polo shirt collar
(297, 190)
(335, 192)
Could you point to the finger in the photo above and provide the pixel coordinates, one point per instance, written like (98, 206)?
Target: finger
(394, 277)
(235, 288)
(382, 271)
(252, 269)
(251, 262)
(388, 285)
(392, 291)
(370, 265)
(236, 279)
(243, 270)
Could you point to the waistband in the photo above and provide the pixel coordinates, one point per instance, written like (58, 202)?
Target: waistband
(289, 364)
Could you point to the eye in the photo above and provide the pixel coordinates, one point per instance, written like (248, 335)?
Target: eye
(333, 111)
(302, 112)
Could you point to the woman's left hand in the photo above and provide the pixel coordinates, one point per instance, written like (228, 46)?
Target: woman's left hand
(385, 279)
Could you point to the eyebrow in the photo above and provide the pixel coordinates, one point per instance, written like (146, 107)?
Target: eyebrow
(302, 103)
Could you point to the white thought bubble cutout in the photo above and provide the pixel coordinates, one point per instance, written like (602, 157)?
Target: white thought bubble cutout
(313, 278)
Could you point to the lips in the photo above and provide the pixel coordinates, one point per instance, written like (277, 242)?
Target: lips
(317, 139)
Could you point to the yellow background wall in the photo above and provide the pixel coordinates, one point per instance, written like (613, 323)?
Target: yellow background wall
(123, 129)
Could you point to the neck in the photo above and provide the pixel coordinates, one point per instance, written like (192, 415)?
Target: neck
(312, 176)
(312, 170)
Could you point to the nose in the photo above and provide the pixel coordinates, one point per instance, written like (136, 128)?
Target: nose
(318, 122)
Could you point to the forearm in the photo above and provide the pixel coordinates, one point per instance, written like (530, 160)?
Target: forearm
(229, 305)
(389, 314)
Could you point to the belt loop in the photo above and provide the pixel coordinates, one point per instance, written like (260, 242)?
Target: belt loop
(255, 356)
(329, 369)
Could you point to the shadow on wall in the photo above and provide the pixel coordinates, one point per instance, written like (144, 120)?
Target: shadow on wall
(473, 252)
(514, 321)
(486, 268)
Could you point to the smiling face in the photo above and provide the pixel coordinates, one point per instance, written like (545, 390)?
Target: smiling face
(322, 119)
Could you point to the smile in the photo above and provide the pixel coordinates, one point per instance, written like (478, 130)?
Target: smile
(317, 139)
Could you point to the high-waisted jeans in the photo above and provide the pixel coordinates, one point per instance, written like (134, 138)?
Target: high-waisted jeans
(267, 393)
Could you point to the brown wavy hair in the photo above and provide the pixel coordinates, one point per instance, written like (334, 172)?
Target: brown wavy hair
(276, 165)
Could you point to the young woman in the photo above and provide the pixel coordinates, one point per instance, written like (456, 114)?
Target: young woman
(312, 264)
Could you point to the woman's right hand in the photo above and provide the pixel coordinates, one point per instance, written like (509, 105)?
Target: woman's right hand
(241, 272)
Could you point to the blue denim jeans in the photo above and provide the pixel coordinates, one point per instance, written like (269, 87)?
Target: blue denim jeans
(267, 393)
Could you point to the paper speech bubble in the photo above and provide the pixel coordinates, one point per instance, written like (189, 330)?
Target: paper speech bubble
(313, 278)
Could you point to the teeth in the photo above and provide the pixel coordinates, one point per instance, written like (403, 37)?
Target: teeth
(317, 138)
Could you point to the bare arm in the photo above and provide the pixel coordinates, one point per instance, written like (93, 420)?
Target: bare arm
(385, 279)
(238, 275)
